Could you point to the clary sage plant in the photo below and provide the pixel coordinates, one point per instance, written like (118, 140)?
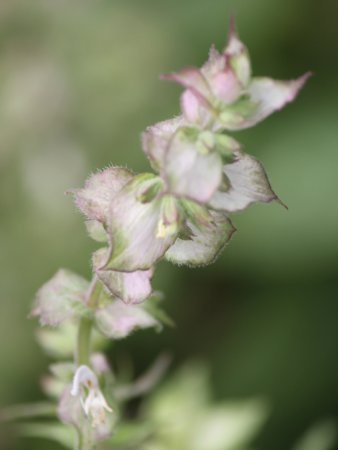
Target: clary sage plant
(180, 213)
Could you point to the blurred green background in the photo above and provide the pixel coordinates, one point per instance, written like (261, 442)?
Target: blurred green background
(78, 84)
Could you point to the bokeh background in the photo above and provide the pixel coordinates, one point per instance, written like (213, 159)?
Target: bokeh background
(78, 84)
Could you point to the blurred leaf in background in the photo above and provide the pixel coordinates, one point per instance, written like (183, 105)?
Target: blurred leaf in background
(184, 417)
(322, 435)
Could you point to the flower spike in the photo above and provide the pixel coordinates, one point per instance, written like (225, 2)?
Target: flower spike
(181, 214)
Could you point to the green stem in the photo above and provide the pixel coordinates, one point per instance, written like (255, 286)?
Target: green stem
(83, 342)
(85, 326)
(78, 440)
(83, 349)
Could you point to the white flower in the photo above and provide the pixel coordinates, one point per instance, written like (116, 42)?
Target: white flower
(95, 406)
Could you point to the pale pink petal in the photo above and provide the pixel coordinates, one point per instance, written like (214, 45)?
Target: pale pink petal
(190, 106)
(225, 86)
(193, 79)
(195, 112)
(222, 79)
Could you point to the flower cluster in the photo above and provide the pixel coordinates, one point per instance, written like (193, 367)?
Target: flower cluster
(180, 213)
(203, 175)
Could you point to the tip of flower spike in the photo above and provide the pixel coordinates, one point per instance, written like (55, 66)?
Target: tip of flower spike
(232, 27)
(234, 44)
